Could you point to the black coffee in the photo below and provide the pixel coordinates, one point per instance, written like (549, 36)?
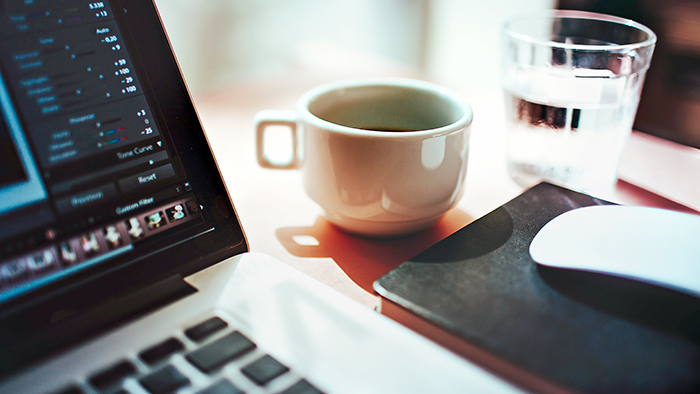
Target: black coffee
(389, 129)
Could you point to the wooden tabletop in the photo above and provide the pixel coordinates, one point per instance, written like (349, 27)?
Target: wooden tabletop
(280, 220)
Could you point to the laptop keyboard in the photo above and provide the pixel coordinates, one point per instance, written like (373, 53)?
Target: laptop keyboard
(201, 366)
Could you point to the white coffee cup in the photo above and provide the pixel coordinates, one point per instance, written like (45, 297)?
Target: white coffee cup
(382, 157)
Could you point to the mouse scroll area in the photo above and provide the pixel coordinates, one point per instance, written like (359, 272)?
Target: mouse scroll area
(646, 244)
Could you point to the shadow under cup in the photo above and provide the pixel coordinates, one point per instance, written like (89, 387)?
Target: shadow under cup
(385, 160)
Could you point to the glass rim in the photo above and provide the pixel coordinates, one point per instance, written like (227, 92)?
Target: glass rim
(584, 15)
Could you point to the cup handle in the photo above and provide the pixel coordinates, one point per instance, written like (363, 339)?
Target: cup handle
(263, 120)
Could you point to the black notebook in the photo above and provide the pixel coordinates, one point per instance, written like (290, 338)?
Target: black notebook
(548, 329)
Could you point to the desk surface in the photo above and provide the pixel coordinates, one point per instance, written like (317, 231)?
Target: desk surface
(280, 220)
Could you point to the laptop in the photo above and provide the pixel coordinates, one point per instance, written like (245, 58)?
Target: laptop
(123, 265)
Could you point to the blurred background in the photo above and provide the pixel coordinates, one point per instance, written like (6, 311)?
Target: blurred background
(223, 42)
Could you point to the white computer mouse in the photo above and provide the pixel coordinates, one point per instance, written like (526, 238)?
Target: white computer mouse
(652, 245)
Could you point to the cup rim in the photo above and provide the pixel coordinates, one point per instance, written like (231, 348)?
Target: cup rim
(573, 14)
(308, 97)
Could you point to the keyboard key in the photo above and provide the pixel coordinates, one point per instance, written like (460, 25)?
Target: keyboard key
(164, 381)
(264, 370)
(302, 387)
(160, 351)
(112, 375)
(71, 390)
(222, 387)
(221, 351)
(205, 329)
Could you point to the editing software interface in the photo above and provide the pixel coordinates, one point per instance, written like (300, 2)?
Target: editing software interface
(87, 174)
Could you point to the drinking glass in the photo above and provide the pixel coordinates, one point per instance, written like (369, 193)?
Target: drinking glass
(572, 83)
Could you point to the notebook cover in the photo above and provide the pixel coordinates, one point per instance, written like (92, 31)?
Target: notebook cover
(580, 331)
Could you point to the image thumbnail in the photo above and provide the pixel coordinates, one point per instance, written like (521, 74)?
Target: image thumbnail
(113, 237)
(155, 220)
(41, 261)
(89, 244)
(192, 206)
(134, 228)
(68, 254)
(176, 213)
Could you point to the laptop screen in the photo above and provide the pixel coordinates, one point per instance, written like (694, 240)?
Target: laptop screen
(104, 163)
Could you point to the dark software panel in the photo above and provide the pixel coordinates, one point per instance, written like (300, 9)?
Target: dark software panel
(11, 170)
(90, 174)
